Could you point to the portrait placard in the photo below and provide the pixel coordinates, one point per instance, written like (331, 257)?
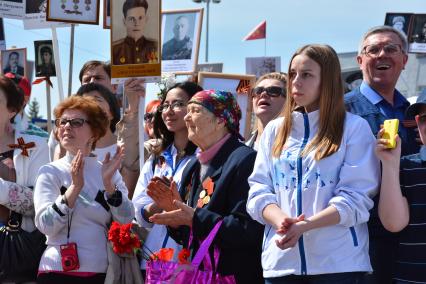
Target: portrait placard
(417, 34)
(210, 67)
(259, 66)
(400, 21)
(107, 14)
(135, 40)
(44, 58)
(35, 16)
(14, 61)
(181, 31)
(13, 9)
(69, 11)
(240, 86)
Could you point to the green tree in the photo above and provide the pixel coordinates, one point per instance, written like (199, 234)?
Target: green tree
(33, 109)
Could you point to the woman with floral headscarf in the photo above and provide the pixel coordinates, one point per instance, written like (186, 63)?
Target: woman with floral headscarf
(214, 187)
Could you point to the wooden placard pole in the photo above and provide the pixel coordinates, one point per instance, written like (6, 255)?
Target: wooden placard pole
(57, 63)
(71, 60)
(49, 107)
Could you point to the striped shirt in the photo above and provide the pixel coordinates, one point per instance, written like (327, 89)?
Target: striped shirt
(411, 255)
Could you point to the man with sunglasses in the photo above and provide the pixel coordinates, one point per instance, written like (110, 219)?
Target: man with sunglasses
(268, 98)
(403, 195)
(382, 55)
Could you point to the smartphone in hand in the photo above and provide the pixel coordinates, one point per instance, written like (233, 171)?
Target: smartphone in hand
(390, 127)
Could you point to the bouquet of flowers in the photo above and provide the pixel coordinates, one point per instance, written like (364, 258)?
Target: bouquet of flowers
(123, 239)
(123, 246)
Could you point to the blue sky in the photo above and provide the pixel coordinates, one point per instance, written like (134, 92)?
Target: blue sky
(290, 24)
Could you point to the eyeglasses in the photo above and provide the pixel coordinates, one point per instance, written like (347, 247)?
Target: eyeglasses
(147, 117)
(177, 105)
(373, 50)
(75, 122)
(270, 91)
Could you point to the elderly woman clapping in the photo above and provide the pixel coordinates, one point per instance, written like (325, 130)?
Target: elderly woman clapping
(77, 197)
(215, 186)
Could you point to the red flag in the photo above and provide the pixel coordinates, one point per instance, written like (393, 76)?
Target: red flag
(258, 32)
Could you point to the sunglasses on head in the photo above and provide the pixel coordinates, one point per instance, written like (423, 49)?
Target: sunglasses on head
(147, 117)
(75, 122)
(270, 91)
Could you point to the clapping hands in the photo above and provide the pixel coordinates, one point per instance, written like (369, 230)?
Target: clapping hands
(163, 191)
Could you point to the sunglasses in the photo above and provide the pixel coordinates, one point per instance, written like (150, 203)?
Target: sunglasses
(270, 91)
(147, 117)
(75, 122)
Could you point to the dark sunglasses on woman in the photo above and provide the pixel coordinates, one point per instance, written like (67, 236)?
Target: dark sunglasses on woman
(270, 91)
(147, 117)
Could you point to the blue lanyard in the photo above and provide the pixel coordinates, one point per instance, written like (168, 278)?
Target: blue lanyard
(167, 154)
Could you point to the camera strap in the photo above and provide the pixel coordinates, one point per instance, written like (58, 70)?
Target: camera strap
(69, 226)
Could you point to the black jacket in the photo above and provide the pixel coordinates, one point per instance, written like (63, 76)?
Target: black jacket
(240, 237)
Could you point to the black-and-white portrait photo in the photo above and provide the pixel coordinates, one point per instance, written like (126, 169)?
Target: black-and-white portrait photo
(417, 34)
(14, 61)
(44, 59)
(179, 31)
(35, 6)
(135, 32)
(181, 39)
(73, 11)
(400, 21)
(261, 65)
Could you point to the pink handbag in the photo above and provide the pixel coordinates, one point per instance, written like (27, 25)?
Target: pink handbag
(159, 272)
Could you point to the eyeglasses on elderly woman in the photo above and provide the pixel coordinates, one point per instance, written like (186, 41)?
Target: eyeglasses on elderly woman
(74, 122)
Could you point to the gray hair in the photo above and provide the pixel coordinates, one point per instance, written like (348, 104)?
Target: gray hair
(383, 29)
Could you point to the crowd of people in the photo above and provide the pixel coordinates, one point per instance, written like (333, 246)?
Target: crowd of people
(314, 195)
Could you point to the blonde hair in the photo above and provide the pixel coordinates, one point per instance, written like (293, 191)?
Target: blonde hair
(331, 105)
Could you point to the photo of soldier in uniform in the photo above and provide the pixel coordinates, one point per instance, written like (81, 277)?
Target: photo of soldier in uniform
(180, 46)
(136, 47)
(13, 61)
(181, 30)
(400, 21)
(417, 34)
(419, 29)
(44, 61)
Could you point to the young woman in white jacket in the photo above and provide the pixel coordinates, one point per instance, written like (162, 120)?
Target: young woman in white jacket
(313, 180)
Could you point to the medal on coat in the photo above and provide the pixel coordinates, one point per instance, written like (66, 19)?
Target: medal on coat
(206, 193)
